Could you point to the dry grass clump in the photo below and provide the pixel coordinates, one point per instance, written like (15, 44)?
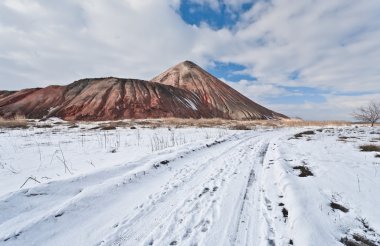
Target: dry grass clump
(337, 206)
(16, 122)
(301, 134)
(112, 125)
(107, 128)
(178, 122)
(369, 148)
(43, 126)
(239, 127)
(217, 122)
(213, 122)
(225, 123)
(357, 240)
(304, 171)
(300, 123)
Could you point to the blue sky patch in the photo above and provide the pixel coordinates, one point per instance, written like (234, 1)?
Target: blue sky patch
(232, 72)
(196, 13)
(301, 94)
(295, 75)
(297, 95)
(305, 90)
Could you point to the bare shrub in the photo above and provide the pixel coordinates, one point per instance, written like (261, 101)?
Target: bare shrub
(369, 113)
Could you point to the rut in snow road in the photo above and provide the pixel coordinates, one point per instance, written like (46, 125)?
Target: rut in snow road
(198, 196)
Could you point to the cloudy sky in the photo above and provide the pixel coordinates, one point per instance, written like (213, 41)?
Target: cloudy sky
(316, 59)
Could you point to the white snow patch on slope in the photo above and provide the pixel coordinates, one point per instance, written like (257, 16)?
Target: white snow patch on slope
(191, 103)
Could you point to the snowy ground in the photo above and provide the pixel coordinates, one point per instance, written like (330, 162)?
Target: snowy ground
(189, 186)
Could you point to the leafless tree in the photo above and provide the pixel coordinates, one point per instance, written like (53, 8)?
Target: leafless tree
(369, 113)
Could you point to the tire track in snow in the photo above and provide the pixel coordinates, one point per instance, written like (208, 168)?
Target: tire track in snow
(194, 196)
(185, 201)
(189, 222)
(61, 195)
(72, 206)
(245, 219)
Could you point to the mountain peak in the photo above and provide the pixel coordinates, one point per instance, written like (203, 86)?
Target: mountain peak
(185, 90)
(188, 64)
(220, 98)
(185, 66)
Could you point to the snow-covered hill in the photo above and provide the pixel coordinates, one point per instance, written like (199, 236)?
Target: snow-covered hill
(189, 186)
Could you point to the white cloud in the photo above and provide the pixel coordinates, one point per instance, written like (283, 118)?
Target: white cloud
(58, 42)
(333, 44)
(336, 107)
(259, 92)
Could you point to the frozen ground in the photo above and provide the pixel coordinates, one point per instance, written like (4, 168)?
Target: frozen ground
(190, 186)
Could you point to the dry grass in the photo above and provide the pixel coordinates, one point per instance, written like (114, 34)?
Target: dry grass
(369, 148)
(218, 122)
(304, 171)
(250, 123)
(215, 122)
(337, 206)
(16, 122)
(301, 134)
(107, 128)
(301, 123)
(180, 122)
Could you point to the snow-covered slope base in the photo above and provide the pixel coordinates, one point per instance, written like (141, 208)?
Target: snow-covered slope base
(189, 187)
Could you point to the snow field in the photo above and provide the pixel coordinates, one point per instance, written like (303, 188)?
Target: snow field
(190, 187)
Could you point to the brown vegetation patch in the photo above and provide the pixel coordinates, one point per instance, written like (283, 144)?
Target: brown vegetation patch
(301, 134)
(239, 127)
(369, 148)
(285, 212)
(304, 171)
(14, 123)
(107, 128)
(357, 240)
(44, 126)
(335, 205)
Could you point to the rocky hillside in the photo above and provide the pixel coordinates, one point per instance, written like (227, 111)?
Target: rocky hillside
(217, 96)
(184, 91)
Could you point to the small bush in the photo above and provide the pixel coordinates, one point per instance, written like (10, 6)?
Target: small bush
(107, 128)
(301, 134)
(369, 148)
(285, 212)
(304, 171)
(239, 127)
(335, 205)
(377, 155)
